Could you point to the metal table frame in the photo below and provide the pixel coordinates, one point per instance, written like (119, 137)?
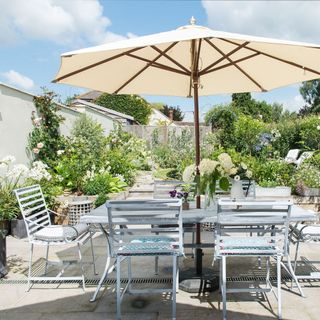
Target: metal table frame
(100, 216)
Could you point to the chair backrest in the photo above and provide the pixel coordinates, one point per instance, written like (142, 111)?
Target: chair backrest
(161, 188)
(292, 155)
(305, 155)
(33, 208)
(259, 218)
(140, 221)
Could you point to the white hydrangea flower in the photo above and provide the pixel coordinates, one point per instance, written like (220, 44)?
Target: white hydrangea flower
(207, 166)
(18, 170)
(226, 161)
(237, 178)
(39, 171)
(40, 145)
(8, 159)
(249, 174)
(318, 127)
(243, 166)
(60, 152)
(233, 171)
(189, 173)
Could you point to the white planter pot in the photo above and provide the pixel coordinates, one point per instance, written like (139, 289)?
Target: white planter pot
(273, 191)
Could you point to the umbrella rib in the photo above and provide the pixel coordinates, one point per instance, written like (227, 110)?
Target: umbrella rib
(172, 60)
(144, 68)
(95, 64)
(230, 64)
(223, 58)
(159, 65)
(277, 58)
(235, 65)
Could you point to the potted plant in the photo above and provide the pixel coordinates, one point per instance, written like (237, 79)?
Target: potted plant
(307, 180)
(9, 180)
(183, 194)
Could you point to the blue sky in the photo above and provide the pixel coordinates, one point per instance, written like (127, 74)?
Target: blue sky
(35, 32)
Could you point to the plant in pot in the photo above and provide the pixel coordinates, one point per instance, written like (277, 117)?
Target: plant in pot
(307, 179)
(9, 180)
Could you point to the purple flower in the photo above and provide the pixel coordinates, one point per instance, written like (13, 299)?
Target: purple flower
(173, 193)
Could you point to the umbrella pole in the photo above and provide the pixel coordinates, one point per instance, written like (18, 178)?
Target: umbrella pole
(198, 255)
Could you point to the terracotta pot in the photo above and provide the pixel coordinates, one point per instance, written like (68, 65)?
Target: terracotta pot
(185, 206)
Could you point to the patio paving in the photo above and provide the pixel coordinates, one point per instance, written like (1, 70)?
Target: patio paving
(67, 301)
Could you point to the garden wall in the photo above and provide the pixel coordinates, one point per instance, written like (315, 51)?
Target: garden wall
(147, 132)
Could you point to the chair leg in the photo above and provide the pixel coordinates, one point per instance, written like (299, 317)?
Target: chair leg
(156, 265)
(174, 286)
(129, 273)
(30, 267)
(279, 287)
(92, 253)
(81, 266)
(118, 289)
(47, 255)
(268, 271)
(224, 287)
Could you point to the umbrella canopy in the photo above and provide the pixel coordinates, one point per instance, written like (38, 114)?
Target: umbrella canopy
(167, 64)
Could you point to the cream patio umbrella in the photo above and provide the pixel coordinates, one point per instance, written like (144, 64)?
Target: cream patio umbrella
(191, 61)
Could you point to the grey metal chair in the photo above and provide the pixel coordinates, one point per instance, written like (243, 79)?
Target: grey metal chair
(304, 233)
(41, 232)
(267, 223)
(135, 240)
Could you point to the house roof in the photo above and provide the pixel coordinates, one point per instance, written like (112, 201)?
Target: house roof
(110, 112)
(91, 95)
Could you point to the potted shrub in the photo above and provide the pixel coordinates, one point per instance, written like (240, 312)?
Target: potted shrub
(307, 180)
(9, 209)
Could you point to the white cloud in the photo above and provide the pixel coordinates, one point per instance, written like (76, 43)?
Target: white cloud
(17, 79)
(73, 22)
(293, 104)
(292, 20)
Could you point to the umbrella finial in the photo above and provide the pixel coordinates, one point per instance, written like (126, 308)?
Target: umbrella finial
(193, 21)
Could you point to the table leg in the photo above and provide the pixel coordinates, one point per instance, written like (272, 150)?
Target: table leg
(107, 268)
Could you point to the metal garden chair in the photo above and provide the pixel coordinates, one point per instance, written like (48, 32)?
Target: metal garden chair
(304, 233)
(267, 223)
(41, 232)
(135, 240)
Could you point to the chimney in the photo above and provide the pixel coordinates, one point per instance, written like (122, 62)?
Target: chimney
(171, 114)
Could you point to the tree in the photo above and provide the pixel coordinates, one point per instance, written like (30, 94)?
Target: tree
(132, 105)
(176, 112)
(310, 91)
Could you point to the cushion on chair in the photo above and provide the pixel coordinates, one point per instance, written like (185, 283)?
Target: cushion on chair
(308, 232)
(61, 233)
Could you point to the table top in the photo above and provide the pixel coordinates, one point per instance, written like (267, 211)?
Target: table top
(100, 215)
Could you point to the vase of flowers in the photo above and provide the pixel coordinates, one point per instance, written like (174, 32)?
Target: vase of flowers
(211, 174)
(236, 173)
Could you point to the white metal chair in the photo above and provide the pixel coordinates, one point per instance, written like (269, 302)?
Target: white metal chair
(292, 155)
(41, 232)
(161, 191)
(267, 224)
(136, 240)
(304, 233)
(304, 155)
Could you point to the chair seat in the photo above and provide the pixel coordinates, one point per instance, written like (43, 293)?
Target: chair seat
(247, 246)
(308, 232)
(148, 245)
(61, 233)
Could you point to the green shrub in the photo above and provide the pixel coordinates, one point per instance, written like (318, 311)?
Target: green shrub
(310, 133)
(132, 105)
(246, 133)
(103, 183)
(273, 173)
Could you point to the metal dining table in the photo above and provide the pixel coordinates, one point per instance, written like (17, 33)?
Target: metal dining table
(99, 216)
